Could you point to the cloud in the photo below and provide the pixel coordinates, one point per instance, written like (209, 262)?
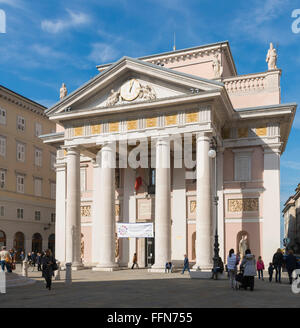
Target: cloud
(103, 52)
(59, 25)
(12, 3)
(260, 22)
(291, 165)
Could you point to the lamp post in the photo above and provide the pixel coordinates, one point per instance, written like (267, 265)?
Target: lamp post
(212, 153)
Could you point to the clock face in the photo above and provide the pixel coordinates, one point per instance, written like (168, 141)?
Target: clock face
(130, 90)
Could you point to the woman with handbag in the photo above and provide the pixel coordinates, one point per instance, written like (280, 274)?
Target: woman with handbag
(48, 267)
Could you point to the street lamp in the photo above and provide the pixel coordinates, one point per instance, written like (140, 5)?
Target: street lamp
(212, 153)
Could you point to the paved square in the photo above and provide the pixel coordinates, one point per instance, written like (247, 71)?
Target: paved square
(141, 289)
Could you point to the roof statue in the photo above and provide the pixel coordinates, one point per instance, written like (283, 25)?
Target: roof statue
(271, 58)
(63, 91)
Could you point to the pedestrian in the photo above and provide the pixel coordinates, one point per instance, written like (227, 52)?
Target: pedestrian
(168, 267)
(291, 264)
(33, 258)
(186, 264)
(12, 265)
(218, 269)
(5, 259)
(270, 270)
(248, 264)
(39, 261)
(134, 261)
(22, 256)
(277, 262)
(260, 266)
(48, 265)
(232, 268)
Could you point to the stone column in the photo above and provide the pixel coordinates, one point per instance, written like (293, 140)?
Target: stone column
(204, 243)
(104, 210)
(162, 205)
(60, 216)
(73, 219)
(271, 202)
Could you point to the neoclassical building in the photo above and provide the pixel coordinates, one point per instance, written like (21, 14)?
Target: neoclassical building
(162, 113)
(291, 215)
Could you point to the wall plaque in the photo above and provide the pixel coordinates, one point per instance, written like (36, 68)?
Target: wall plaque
(191, 117)
(132, 125)
(171, 119)
(85, 210)
(96, 129)
(78, 131)
(114, 127)
(243, 205)
(261, 131)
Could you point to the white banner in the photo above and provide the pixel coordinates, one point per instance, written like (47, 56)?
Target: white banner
(135, 230)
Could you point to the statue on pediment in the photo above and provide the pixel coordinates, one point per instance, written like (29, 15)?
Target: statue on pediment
(63, 91)
(271, 58)
(217, 67)
(147, 93)
(113, 98)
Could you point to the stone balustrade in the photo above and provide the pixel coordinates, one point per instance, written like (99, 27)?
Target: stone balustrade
(246, 83)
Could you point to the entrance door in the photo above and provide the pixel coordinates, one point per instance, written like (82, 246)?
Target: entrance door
(19, 243)
(149, 251)
(37, 242)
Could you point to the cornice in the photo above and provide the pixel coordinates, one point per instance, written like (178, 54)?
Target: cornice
(21, 101)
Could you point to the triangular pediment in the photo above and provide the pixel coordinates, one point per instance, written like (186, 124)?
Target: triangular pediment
(131, 81)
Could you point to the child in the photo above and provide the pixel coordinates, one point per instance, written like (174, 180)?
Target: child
(260, 267)
(270, 270)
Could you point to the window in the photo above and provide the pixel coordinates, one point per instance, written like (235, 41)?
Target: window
(242, 163)
(20, 152)
(2, 116)
(52, 217)
(37, 216)
(38, 157)
(82, 179)
(38, 187)
(38, 129)
(52, 190)
(52, 161)
(20, 123)
(20, 213)
(1, 210)
(20, 183)
(2, 179)
(2, 146)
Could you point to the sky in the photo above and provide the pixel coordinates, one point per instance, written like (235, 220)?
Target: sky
(50, 42)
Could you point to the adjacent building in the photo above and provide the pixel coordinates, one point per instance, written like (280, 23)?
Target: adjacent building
(291, 215)
(27, 175)
(132, 146)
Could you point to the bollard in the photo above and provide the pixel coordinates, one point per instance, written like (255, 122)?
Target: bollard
(25, 269)
(68, 280)
(2, 282)
(57, 272)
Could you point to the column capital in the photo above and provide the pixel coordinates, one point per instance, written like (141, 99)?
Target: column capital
(71, 150)
(204, 136)
(272, 148)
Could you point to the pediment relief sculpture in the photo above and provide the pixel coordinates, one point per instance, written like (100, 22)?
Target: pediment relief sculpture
(130, 91)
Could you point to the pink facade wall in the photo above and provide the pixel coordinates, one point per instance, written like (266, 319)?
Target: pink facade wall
(254, 230)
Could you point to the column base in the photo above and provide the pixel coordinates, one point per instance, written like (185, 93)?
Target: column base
(157, 268)
(106, 267)
(206, 267)
(77, 266)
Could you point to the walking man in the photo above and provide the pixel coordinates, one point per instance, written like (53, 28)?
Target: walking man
(291, 264)
(186, 264)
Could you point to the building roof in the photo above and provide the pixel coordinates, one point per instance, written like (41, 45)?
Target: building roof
(180, 52)
(23, 98)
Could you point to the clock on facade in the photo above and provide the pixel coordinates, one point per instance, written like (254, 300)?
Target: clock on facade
(130, 90)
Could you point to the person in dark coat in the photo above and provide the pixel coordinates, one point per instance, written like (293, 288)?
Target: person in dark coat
(47, 267)
(277, 262)
(291, 264)
(39, 261)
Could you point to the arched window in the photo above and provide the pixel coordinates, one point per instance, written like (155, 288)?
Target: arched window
(19, 240)
(51, 243)
(37, 242)
(2, 238)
